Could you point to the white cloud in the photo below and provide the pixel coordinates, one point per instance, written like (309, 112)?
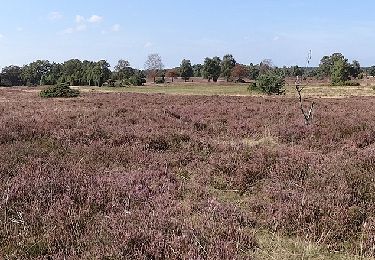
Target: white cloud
(80, 19)
(1, 36)
(95, 19)
(81, 24)
(19, 29)
(276, 38)
(148, 45)
(115, 28)
(78, 28)
(53, 16)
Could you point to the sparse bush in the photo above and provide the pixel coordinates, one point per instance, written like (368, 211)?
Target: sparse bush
(59, 91)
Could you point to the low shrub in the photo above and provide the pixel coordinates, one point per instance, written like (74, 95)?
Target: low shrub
(240, 81)
(252, 87)
(160, 81)
(352, 84)
(59, 91)
(136, 80)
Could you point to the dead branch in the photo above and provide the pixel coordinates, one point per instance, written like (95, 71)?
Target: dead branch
(307, 115)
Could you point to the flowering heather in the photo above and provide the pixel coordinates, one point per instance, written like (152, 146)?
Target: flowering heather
(132, 176)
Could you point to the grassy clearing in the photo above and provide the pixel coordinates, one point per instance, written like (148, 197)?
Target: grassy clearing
(183, 89)
(239, 90)
(334, 91)
(277, 247)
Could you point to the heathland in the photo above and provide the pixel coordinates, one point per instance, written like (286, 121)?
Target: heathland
(119, 175)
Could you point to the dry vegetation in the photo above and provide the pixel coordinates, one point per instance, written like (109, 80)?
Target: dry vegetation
(134, 176)
(314, 88)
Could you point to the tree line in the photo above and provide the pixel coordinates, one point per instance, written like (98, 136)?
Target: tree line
(96, 73)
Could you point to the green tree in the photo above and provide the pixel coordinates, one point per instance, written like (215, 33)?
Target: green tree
(186, 70)
(371, 71)
(296, 71)
(53, 75)
(212, 69)
(72, 72)
(324, 70)
(123, 70)
(32, 73)
(339, 72)
(336, 67)
(101, 72)
(88, 72)
(253, 71)
(11, 76)
(227, 64)
(355, 69)
(197, 70)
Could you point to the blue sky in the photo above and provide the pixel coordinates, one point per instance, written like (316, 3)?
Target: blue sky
(281, 30)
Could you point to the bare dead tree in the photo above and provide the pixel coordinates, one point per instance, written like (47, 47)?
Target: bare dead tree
(308, 115)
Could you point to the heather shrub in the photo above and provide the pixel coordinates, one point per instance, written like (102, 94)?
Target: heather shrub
(132, 176)
(59, 91)
(159, 144)
(199, 126)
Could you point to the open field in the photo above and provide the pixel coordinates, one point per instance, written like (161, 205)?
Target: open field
(133, 176)
(324, 91)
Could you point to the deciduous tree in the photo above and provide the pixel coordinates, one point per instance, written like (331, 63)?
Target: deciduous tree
(197, 70)
(172, 73)
(33, 72)
(355, 69)
(227, 64)
(11, 76)
(153, 65)
(253, 71)
(212, 68)
(239, 71)
(186, 70)
(123, 70)
(265, 66)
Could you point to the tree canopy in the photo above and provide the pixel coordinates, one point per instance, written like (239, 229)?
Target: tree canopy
(227, 64)
(212, 68)
(186, 70)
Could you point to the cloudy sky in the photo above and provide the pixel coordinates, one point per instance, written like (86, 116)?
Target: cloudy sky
(281, 30)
